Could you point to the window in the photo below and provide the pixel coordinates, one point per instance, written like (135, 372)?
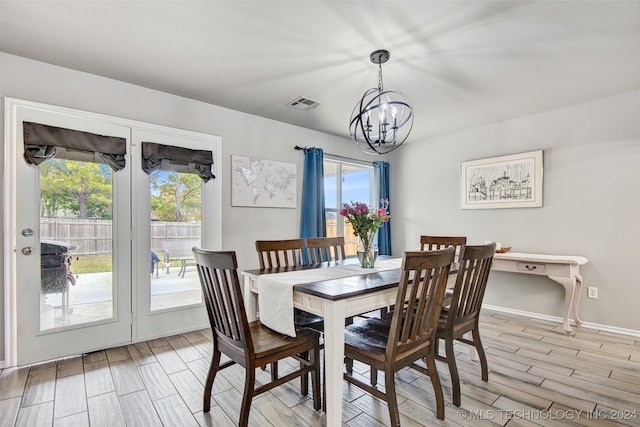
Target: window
(345, 181)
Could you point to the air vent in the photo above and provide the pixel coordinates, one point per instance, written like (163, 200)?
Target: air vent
(303, 103)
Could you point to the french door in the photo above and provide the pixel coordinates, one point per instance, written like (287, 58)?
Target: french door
(79, 237)
(170, 208)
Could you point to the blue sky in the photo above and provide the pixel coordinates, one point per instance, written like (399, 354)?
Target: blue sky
(355, 188)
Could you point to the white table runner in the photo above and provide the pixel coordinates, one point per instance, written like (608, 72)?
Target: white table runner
(275, 291)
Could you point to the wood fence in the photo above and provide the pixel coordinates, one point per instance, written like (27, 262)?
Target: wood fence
(93, 237)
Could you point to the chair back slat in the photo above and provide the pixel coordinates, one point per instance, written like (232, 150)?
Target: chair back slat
(471, 283)
(280, 253)
(422, 285)
(223, 297)
(431, 243)
(325, 249)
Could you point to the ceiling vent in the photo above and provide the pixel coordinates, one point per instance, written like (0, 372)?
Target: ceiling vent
(302, 103)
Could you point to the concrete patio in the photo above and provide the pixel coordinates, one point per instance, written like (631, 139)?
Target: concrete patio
(91, 298)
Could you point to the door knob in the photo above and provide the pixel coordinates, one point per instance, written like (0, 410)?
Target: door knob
(28, 250)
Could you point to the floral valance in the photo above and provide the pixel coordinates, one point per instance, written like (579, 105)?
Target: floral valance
(177, 159)
(43, 142)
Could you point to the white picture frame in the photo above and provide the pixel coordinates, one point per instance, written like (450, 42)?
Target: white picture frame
(510, 181)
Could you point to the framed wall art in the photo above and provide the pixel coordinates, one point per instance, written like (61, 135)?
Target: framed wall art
(262, 183)
(512, 181)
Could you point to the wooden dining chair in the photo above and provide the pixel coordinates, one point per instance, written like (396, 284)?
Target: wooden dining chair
(325, 249)
(280, 253)
(410, 334)
(463, 313)
(430, 243)
(287, 253)
(251, 345)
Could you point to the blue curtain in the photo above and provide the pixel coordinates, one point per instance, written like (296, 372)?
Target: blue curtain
(381, 190)
(313, 222)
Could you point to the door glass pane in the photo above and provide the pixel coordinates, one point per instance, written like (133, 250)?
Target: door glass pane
(75, 243)
(176, 214)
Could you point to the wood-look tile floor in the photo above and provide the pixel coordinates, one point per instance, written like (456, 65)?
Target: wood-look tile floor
(538, 376)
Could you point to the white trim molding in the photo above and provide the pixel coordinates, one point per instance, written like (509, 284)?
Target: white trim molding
(606, 328)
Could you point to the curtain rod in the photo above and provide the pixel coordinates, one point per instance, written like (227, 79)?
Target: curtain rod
(339, 158)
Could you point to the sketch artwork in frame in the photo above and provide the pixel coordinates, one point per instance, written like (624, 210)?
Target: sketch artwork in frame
(513, 181)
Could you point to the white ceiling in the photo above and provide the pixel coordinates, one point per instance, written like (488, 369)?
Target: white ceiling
(461, 63)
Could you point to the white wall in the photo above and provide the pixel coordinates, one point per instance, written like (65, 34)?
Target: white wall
(591, 158)
(242, 134)
(591, 203)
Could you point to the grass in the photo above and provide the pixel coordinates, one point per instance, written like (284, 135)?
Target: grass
(91, 264)
(97, 264)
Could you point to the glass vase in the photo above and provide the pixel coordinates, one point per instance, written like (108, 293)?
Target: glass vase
(367, 251)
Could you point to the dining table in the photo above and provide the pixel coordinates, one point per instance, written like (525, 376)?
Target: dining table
(335, 300)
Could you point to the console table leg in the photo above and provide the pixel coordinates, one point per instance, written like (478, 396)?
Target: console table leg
(569, 284)
(576, 299)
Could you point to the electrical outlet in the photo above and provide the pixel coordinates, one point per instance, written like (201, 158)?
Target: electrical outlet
(592, 292)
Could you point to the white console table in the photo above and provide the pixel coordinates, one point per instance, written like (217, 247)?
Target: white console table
(559, 268)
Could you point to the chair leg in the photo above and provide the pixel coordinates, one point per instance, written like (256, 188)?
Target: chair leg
(315, 380)
(211, 376)
(349, 363)
(453, 370)
(304, 379)
(481, 354)
(437, 387)
(247, 397)
(373, 376)
(392, 401)
(274, 371)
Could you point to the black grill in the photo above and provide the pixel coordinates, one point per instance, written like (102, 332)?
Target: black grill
(55, 266)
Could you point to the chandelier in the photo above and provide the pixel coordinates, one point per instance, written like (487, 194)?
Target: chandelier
(382, 120)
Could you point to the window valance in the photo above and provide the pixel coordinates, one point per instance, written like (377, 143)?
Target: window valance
(177, 159)
(43, 142)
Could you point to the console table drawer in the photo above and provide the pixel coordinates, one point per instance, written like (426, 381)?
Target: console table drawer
(532, 267)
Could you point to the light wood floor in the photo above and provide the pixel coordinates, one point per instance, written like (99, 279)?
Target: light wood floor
(538, 376)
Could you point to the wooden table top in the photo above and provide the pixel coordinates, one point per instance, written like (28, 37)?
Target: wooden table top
(345, 287)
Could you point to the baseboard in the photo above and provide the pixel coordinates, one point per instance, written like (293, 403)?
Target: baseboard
(606, 328)
(1, 364)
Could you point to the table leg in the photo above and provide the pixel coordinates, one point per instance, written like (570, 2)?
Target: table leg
(577, 293)
(334, 313)
(569, 284)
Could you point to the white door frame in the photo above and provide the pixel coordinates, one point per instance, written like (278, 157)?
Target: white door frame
(212, 200)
